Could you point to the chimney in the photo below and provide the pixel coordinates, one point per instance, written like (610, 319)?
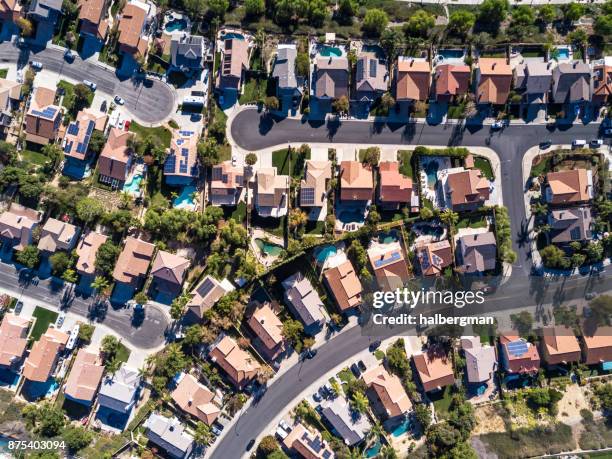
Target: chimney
(493, 66)
(190, 401)
(548, 65)
(575, 64)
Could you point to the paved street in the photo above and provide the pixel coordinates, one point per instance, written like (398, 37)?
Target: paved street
(150, 100)
(146, 333)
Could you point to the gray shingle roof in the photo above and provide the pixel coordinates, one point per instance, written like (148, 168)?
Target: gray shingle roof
(572, 82)
(188, 51)
(284, 68)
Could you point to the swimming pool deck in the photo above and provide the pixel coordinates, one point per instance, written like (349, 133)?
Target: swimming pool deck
(258, 233)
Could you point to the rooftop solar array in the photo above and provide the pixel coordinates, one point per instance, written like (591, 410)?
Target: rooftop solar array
(47, 113)
(385, 261)
(73, 128)
(170, 164)
(373, 68)
(517, 348)
(308, 195)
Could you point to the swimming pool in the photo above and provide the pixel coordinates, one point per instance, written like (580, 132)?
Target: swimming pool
(450, 53)
(230, 35)
(432, 174)
(388, 238)
(133, 186)
(402, 428)
(326, 252)
(176, 25)
(351, 216)
(563, 53)
(327, 51)
(268, 248)
(373, 450)
(186, 198)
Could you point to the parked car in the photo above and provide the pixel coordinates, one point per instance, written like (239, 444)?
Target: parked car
(60, 319)
(596, 143)
(374, 345)
(316, 397)
(69, 55)
(250, 444)
(215, 431)
(119, 100)
(361, 365)
(590, 295)
(284, 425)
(90, 85)
(310, 353)
(36, 65)
(608, 131)
(355, 370)
(545, 144)
(497, 125)
(578, 143)
(18, 307)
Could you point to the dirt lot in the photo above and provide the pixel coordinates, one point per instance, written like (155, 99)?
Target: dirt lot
(570, 405)
(489, 420)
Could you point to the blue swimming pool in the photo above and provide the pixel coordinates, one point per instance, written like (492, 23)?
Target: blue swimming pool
(450, 53)
(563, 53)
(432, 174)
(230, 35)
(388, 237)
(133, 185)
(373, 450)
(327, 51)
(326, 252)
(402, 428)
(268, 248)
(351, 216)
(176, 25)
(186, 198)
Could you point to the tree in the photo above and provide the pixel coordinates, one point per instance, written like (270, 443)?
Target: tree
(109, 346)
(179, 306)
(461, 22)
(374, 22)
(603, 393)
(271, 103)
(523, 15)
(419, 24)
(603, 25)
(50, 420)
(267, 445)
(141, 298)
(554, 257)
(359, 403)
(208, 152)
(522, 322)
(250, 159)
(89, 210)
(30, 186)
(547, 13)
(341, 105)
(371, 156)
(579, 37)
(601, 308)
(346, 10)
(423, 415)
(100, 285)
(292, 331)
(572, 11)
(106, 257)
(426, 213)
(595, 251)
(254, 8)
(29, 256)
(82, 95)
(493, 12)
(218, 7)
(449, 218)
(202, 434)
(397, 360)
(302, 64)
(357, 254)
(86, 332)
(25, 26)
(60, 261)
(317, 12)
(77, 438)
(297, 219)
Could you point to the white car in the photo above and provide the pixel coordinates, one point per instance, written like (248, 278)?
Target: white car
(119, 100)
(498, 124)
(596, 143)
(36, 65)
(121, 125)
(90, 85)
(60, 320)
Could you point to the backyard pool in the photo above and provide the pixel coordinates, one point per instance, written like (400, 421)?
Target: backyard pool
(373, 450)
(185, 200)
(563, 53)
(402, 428)
(431, 169)
(427, 229)
(273, 250)
(388, 237)
(230, 35)
(351, 216)
(133, 185)
(176, 25)
(325, 252)
(450, 53)
(327, 51)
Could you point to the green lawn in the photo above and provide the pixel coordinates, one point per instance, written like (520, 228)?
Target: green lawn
(34, 157)
(44, 317)
(255, 89)
(69, 99)
(442, 401)
(455, 111)
(239, 214)
(542, 167)
(123, 353)
(3, 73)
(315, 227)
(477, 221)
(405, 168)
(485, 167)
(345, 376)
(160, 133)
(282, 160)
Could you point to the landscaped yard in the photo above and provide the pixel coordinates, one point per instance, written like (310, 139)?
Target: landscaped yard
(160, 133)
(239, 213)
(442, 400)
(255, 90)
(485, 167)
(44, 317)
(345, 376)
(404, 157)
(3, 73)
(69, 97)
(472, 221)
(541, 167)
(34, 157)
(283, 162)
(123, 353)
(456, 111)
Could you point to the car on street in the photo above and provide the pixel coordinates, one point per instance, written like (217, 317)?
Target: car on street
(36, 65)
(215, 430)
(121, 125)
(608, 131)
(285, 425)
(316, 397)
(361, 365)
(374, 345)
(234, 160)
(596, 143)
(578, 143)
(545, 144)
(310, 353)
(590, 295)
(69, 55)
(18, 307)
(91, 85)
(498, 125)
(250, 444)
(119, 100)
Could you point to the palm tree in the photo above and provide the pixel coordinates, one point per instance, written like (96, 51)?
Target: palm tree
(202, 435)
(260, 41)
(113, 366)
(359, 403)
(100, 285)
(450, 219)
(264, 374)
(387, 452)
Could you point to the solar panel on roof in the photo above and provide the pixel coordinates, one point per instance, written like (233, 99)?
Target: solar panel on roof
(73, 129)
(179, 142)
(308, 196)
(170, 164)
(360, 70)
(205, 287)
(373, 68)
(185, 151)
(517, 348)
(436, 259)
(575, 234)
(385, 261)
(183, 167)
(81, 148)
(67, 147)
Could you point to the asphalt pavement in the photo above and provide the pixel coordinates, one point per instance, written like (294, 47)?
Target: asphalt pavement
(150, 100)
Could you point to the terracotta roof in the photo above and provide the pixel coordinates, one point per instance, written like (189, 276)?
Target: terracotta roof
(13, 342)
(308, 443)
(520, 355)
(43, 118)
(434, 257)
(560, 345)
(239, 365)
(598, 346)
(196, 399)
(413, 79)
(389, 390)
(9, 9)
(86, 250)
(92, 13)
(389, 265)
(495, 79)
(133, 261)
(206, 294)
(435, 369)
(602, 80)
(226, 177)
(169, 267)
(78, 133)
(131, 25)
(452, 80)
(85, 376)
(568, 186)
(316, 176)
(356, 182)
(394, 187)
(344, 285)
(235, 57)
(39, 364)
(182, 159)
(17, 224)
(467, 188)
(57, 235)
(267, 326)
(115, 156)
(9, 90)
(271, 189)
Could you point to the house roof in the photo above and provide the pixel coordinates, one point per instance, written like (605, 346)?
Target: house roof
(85, 376)
(122, 385)
(572, 82)
(78, 134)
(40, 361)
(433, 257)
(344, 285)
(239, 365)
(284, 67)
(389, 390)
(17, 224)
(521, 355)
(495, 80)
(480, 362)
(57, 235)
(304, 299)
(235, 57)
(270, 188)
(196, 399)
(452, 80)
(115, 156)
(389, 265)
(559, 340)
(87, 249)
(433, 366)
(9, 90)
(569, 186)
(331, 77)
(598, 345)
(350, 427)
(188, 50)
(133, 261)
(131, 25)
(313, 187)
(479, 252)
(467, 187)
(356, 182)
(169, 267)
(602, 79)
(225, 176)
(267, 326)
(535, 78)
(93, 15)
(13, 342)
(42, 120)
(394, 187)
(43, 8)
(206, 294)
(370, 73)
(413, 79)
(571, 224)
(182, 159)
(308, 443)
(170, 431)
(9, 9)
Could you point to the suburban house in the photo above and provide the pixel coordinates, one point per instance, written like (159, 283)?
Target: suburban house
(268, 330)
(356, 182)
(389, 265)
(518, 355)
(169, 434)
(44, 355)
(480, 361)
(435, 369)
(308, 443)
(181, 166)
(465, 190)
(10, 95)
(451, 81)
(304, 302)
(534, 79)
(17, 226)
(313, 187)
(493, 80)
(226, 184)
(86, 250)
(572, 186)
(45, 11)
(13, 340)
(271, 193)
(572, 83)
(239, 366)
(597, 347)
(477, 252)
(283, 72)
(76, 141)
(85, 377)
(168, 273)
(189, 52)
(43, 118)
(93, 18)
(386, 393)
(119, 391)
(344, 422)
(331, 77)
(195, 399)
(559, 345)
(344, 285)
(132, 266)
(394, 189)
(115, 160)
(10, 10)
(206, 294)
(602, 80)
(371, 77)
(234, 62)
(412, 79)
(133, 23)
(57, 235)
(571, 224)
(433, 257)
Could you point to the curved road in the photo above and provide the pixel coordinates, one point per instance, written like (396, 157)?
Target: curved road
(521, 290)
(149, 100)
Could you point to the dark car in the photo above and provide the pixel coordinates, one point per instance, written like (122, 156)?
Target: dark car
(250, 444)
(355, 370)
(374, 345)
(361, 365)
(545, 144)
(310, 353)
